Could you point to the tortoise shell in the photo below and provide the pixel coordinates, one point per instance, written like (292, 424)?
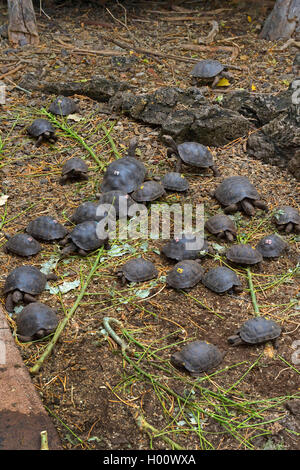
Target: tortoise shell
(139, 270)
(234, 189)
(174, 181)
(271, 246)
(220, 223)
(197, 357)
(148, 191)
(120, 200)
(125, 174)
(46, 228)
(36, 320)
(74, 165)
(40, 127)
(22, 244)
(27, 279)
(86, 211)
(188, 246)
(243, 254)
(286, 214)
(221, 279)
(87, 237)
(185, 274)
(207, 68)
(195, 154)
(63, 105)
(258, 330)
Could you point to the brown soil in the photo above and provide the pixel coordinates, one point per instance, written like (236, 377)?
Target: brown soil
(93, 394)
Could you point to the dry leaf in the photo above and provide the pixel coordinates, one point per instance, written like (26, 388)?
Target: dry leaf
(223, 82)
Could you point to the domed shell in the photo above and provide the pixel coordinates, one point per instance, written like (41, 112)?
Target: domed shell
(148, 191)
(125, 174)
(139, 270)
(39, 127)
(286, 214)
(74, 164)
(234, 189)
(36, 317)
(86, 211)
(271, 246)
(86, 236)
(220, 279)
(28, 279)
(22, 244)
(63, 105)
(120, 200)
(46, 228)
(195, 154)
(174, 181)
(259, 330)
(207, 68)
(220, 223)
(243, 254)
(185, 274)
(197, 357)
(188, 246)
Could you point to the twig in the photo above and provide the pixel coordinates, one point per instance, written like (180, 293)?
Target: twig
(201, 48)
(144, 426)
(113, 334)
(211, 35)
(35, 369)
(108, 53)
(290, 42)
(12, 72)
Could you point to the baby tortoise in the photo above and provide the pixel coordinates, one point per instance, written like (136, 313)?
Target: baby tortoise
(75, 169)
(222, 279)
(46, 228)
(125, 174)
(120, 200)
(174, 181)
(137, 270)
(287, 219)
(36, 321)
(187, 246)
(22, 244)
(210, 71)
(23, 284)
(271, 246)
(148, 191)
(256, 330)
(185, 274)
(87, 211)
(85, 237)
(237, 193)
(63, 106)
(190, 153)
(243, 254)
(222, 226)
(43, 130)
(197, 357)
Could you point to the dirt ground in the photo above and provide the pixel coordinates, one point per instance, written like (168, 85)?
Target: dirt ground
(95, 396)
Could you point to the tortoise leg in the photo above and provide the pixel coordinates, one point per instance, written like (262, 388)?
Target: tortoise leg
(215, 170)
(28, 298)
(229, 236)
(82, 252)
(231, 209)
(216, 80)
(39, 141)
(68, 250)
(17, 296)
(247, 207)
(178, 166)
(289, 227)
(9, 304)
(260, 205)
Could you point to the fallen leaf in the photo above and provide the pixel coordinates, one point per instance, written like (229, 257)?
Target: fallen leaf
(253, 87)
(75, 117)
(3, 199)
(223, 82)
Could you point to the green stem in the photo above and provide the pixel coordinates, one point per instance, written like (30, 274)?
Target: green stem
(35, 369)
(252, 292)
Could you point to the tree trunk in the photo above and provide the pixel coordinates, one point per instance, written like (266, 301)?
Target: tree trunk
(283, 21)
(22, 28)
